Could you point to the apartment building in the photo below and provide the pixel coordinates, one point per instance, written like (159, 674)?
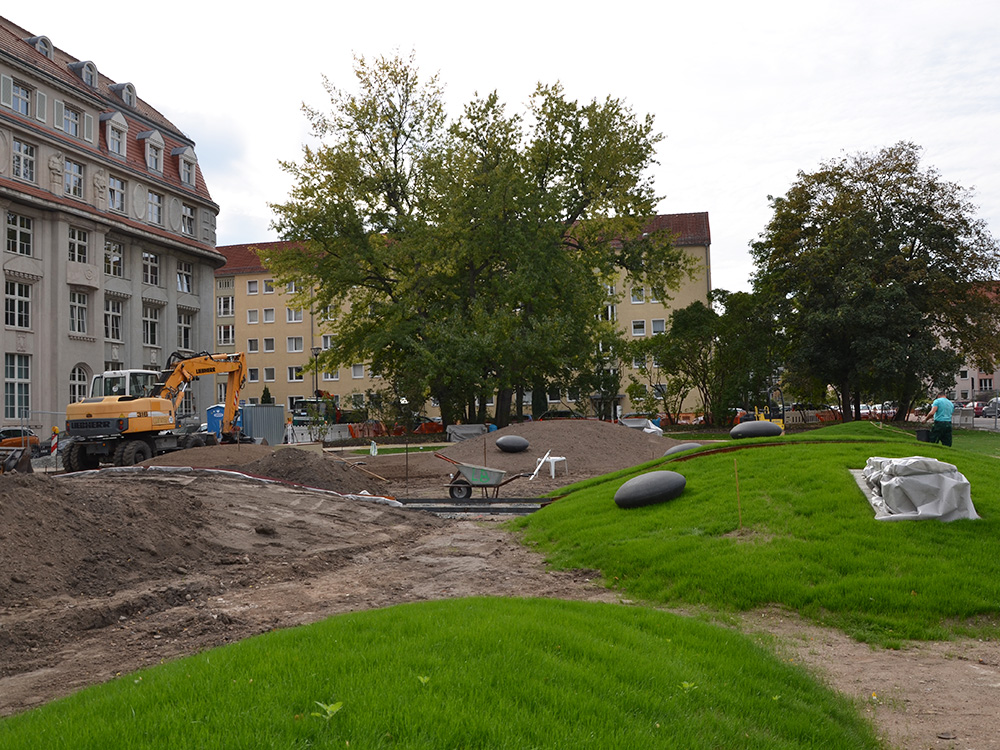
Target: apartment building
(109, 256)
(252, 315)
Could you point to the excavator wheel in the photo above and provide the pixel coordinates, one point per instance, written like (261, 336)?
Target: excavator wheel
(135, 451)
(78, 460)
(196, 441)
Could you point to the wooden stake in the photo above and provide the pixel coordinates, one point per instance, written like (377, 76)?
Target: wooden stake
(739, 509)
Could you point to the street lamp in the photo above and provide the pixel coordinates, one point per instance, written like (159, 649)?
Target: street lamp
(315, 352)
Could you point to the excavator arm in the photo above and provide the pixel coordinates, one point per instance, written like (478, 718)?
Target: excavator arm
(181, 370)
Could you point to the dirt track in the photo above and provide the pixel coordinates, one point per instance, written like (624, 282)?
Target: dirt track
(105, 573)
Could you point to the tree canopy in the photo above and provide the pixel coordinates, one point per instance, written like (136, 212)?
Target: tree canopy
(881, 276)
(470, 257)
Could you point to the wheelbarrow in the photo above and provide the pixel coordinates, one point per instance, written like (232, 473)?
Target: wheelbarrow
(470, 475)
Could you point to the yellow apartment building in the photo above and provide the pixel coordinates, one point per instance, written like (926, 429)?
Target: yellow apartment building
(253, 315)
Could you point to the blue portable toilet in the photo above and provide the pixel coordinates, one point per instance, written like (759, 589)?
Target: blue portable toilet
(214, 419)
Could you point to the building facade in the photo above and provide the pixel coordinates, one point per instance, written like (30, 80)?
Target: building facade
(280, 341)
(109, 252)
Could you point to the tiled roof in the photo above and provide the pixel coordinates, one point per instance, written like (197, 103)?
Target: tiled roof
(141, 117)
(242, 259)
(687, 229)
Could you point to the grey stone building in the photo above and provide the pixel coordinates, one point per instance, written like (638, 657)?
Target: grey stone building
(109, 246)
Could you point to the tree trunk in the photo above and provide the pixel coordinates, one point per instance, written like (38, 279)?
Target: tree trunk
(503, 407)
(845, 403)
(539, 399)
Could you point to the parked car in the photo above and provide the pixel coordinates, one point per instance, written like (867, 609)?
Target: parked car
(990, 410)
(637, 420)
(20, 437)
(977, 406)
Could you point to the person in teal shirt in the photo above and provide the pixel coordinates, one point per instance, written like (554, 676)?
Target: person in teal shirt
(941, 411)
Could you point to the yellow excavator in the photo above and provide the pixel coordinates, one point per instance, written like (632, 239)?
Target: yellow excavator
(126, 429)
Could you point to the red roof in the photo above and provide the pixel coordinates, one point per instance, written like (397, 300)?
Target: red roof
(141, 118)
(687, 229)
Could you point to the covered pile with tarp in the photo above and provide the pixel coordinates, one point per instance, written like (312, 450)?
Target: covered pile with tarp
(916, 488)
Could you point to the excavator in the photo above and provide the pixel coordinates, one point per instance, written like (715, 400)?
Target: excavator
(124, 430)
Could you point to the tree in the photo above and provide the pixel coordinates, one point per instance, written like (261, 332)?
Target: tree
(880, 275)
(728, 351)
(473, 257)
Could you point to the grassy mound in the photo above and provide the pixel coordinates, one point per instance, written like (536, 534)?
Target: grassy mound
(466, 673)
(785, 523)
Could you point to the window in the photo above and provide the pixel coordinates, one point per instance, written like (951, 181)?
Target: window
(17, 386)
(327, 341)
(185, 277)
(252, 287)
(154, 156)
(226, 335)
(358, 400)
(268, 314)
(150, 325)
(963, 374)
(224, 283)
(335, 375)
(73, 179)
(638, 327)
(19, 234)
(116, 140)
(77, 245)
(253, 345)
(638, 363)
(78, 312)
(986, 384)
(226, 307)
(268, 345)
(154, 208)
(187, 219)
(24, 160)
(114, 259)
(554, 396)
(187, 172)
(150, 269)
(253, 316)
(20, 99)
(77, 384)
(253, 374)
(291, 287)
(294, 344)
(638, 295)
(185, 324)
(295, 374)
(293, 316)
(112, 319)
(357, 371)
(659, 325)
(268, 286)
(116, 194)
(17, 304)
(71, 121)
(269, 374)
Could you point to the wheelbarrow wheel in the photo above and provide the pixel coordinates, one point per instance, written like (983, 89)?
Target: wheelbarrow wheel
(460, 489)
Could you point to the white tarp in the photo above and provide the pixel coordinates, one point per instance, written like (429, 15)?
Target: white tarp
(459, 432)
(915, 488)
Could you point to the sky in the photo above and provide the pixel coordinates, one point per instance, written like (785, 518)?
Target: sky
(746, 94)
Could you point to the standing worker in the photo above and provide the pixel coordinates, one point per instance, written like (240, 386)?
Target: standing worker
(941, 409)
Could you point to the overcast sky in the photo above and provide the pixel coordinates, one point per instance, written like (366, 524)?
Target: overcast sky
(747, 94)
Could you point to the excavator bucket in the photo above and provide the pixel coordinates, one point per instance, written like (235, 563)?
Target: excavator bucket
(15, 459)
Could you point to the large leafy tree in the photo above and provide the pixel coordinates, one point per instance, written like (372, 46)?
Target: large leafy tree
(881, 276)
(466, 258)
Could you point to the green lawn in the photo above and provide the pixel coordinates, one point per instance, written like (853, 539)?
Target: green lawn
(463, 673)
(799, 534)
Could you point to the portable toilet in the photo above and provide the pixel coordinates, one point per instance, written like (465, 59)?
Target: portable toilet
(215, 415)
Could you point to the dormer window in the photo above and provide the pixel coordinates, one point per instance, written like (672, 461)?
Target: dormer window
(115, 132)
(187, 164)
(154, 150)
(126, 91)
(87, 72)
(43, 45)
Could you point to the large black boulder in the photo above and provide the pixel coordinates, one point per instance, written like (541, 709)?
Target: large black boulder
(649, 489)
(680, 448)
(512, 443)
(755, 429)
